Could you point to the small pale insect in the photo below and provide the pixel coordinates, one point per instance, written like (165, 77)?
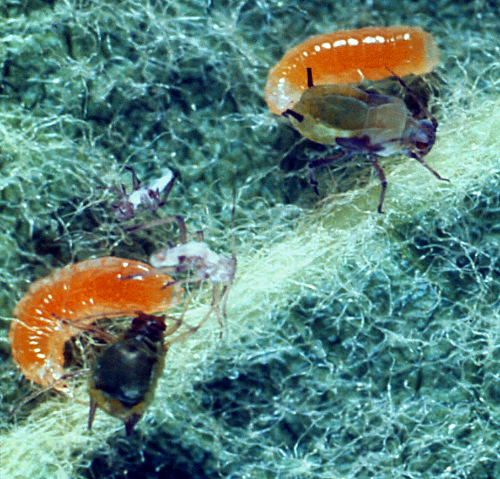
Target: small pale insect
(151, 197)
(361, 121)
(196, 255)
(207, 264)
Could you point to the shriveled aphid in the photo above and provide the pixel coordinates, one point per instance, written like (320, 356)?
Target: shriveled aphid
(124, 377)
(196, 255)
(361, 121)
(150, 197)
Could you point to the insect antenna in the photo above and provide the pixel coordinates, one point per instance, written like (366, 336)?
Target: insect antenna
(57, 387)
(416, 98)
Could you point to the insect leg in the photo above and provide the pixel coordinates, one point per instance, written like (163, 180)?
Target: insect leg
(323, 162)
(136, 182)
(171, 219)
(434, 172)
(163, 200)
(383, 181)
(416, 98)
(93, 409)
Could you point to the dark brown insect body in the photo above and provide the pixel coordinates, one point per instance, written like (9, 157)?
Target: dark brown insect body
(124, 377)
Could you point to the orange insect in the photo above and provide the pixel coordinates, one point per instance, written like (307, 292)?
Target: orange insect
(349, 57)
(55, 308)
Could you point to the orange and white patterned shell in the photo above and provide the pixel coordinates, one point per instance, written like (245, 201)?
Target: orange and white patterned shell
(80, 294)
(349, 57)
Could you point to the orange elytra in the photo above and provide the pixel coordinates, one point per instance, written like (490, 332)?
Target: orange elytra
(349, 57)
(56, 307)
